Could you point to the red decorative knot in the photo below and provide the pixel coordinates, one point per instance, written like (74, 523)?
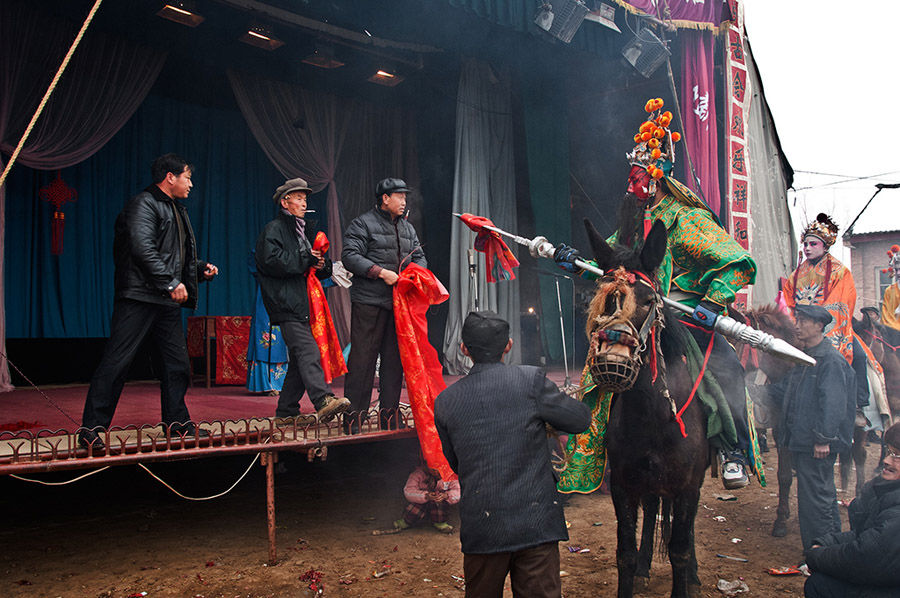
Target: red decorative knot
(58, 192)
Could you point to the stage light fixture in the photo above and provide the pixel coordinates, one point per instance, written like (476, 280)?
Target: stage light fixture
(646, 52)
(561, 18)
(604, 15)
(261, 37)
(181, 12)
(323, 57)
(387, 78)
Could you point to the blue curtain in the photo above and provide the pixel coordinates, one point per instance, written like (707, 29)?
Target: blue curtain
(71, 295)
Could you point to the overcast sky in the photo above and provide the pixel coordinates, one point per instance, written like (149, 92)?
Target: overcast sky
(830, 71)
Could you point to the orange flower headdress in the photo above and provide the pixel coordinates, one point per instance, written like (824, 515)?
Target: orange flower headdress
(893, 255)
(824, 228)
(655, 149)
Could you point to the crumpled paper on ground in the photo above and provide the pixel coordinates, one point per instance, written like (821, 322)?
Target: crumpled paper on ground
(732, 588)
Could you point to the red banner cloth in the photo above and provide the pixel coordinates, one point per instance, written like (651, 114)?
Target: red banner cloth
(320, 322)
(232, 337)
(698, 101)
(492, 246)
(416, 290)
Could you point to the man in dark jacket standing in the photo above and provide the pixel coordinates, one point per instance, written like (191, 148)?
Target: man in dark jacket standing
(864, 562)
(284, 256)
(492, 426)
(378, 245)
(818, 410)
(157, 273)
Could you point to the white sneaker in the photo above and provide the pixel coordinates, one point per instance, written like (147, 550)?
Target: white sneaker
(734, 475)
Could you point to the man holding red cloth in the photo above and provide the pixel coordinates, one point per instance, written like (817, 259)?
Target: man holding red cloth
(289, 268)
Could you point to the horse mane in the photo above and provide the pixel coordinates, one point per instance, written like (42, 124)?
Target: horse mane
(770, 317)
(675, 338)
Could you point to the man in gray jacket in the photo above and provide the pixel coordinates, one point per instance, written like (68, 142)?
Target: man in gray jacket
(492, 426)
(378, 245)
(818, 410)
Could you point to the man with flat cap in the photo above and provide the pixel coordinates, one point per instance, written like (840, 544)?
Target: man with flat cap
(378, 245)
(284, 256)
(818, 410)
(492, 425)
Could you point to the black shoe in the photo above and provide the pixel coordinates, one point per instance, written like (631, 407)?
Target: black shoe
(90, 440)
(350, 428)
(392, 424)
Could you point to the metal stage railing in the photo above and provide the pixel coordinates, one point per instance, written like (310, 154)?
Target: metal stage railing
(26, 452)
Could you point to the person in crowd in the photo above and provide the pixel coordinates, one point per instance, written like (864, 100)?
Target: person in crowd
(864, 562)
(157, 272)
(890, 306)
(493, 428)
(378, 245)
(428, 497)
(818, 408)
(284, 257)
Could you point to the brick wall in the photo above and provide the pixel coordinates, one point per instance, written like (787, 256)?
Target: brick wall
(868, 255)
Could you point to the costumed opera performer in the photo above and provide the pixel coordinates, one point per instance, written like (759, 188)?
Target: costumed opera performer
(704, 268)
(378, 245)
(289, 267)
(890, 307)
(821, 279)
(158, 272)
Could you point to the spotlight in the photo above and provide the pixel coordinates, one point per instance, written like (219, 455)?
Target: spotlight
(645, 52)
(323, 57)
(561, 18)
(387, 78)
(261, 37)
(182, 12)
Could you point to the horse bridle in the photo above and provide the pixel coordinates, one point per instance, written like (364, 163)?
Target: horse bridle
(620, 374)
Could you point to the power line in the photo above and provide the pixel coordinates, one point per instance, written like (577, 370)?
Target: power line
(847, 179)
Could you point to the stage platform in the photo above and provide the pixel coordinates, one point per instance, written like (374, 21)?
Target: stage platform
(38, 430)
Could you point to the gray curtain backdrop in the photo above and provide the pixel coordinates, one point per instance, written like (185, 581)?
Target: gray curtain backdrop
(106, 81)
(334, 143)
(772, 234)
(484, 184)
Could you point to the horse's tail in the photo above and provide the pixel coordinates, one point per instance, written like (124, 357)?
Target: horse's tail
(665, 527)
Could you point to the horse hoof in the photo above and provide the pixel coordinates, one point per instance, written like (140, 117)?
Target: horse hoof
(779, 528)
(694, 591)
(641, 584)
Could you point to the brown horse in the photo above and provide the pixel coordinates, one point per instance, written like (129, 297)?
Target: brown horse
(636, 351)
(884, 343)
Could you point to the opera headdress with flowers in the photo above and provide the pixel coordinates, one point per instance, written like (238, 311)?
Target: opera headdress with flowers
(654, 153)
(893, 258)
(823, 228)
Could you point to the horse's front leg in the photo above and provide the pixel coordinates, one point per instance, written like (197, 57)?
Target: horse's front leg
(626, 545)
(785, 477)
(650, 508)
(681, 546)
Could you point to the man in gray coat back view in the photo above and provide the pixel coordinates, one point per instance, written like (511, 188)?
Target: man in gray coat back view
(492, 426)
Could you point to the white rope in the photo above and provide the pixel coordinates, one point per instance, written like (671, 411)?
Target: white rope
(50, 89)
(177, 493)
(81, 477)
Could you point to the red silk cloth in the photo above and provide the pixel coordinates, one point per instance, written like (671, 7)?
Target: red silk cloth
(416, 290)
(232, 335)
(320, 322)
(500, 260)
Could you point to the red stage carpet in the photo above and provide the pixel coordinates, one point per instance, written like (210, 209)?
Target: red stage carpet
(28, 409)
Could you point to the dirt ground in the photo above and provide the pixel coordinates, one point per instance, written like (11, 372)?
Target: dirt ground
(119, 533)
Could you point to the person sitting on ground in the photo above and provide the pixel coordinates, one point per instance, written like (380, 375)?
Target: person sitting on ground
(864, 562)
(429, 496)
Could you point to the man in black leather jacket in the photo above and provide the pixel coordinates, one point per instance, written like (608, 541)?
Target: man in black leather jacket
(157, 273)
(378, 245)
(284, 256)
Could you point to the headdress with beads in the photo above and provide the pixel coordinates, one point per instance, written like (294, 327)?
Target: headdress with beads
(824, 228)
(893, 255)
(655, 149)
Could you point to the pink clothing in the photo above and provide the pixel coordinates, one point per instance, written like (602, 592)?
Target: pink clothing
(420, 482)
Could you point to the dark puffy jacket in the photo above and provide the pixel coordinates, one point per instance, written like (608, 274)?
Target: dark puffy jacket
(374, 239)
(146, 250)
(869, 554)
(283, 263)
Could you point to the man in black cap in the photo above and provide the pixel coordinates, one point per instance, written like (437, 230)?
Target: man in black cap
(818, 410)
(492, 425)
(378, 245)
(284, 256)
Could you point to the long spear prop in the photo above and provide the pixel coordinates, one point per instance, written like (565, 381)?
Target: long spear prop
(541, 247)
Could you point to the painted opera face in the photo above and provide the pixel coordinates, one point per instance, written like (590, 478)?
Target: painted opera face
(813, 248)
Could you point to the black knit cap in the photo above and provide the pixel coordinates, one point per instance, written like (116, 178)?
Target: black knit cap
(485, 335)
(816, 313)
